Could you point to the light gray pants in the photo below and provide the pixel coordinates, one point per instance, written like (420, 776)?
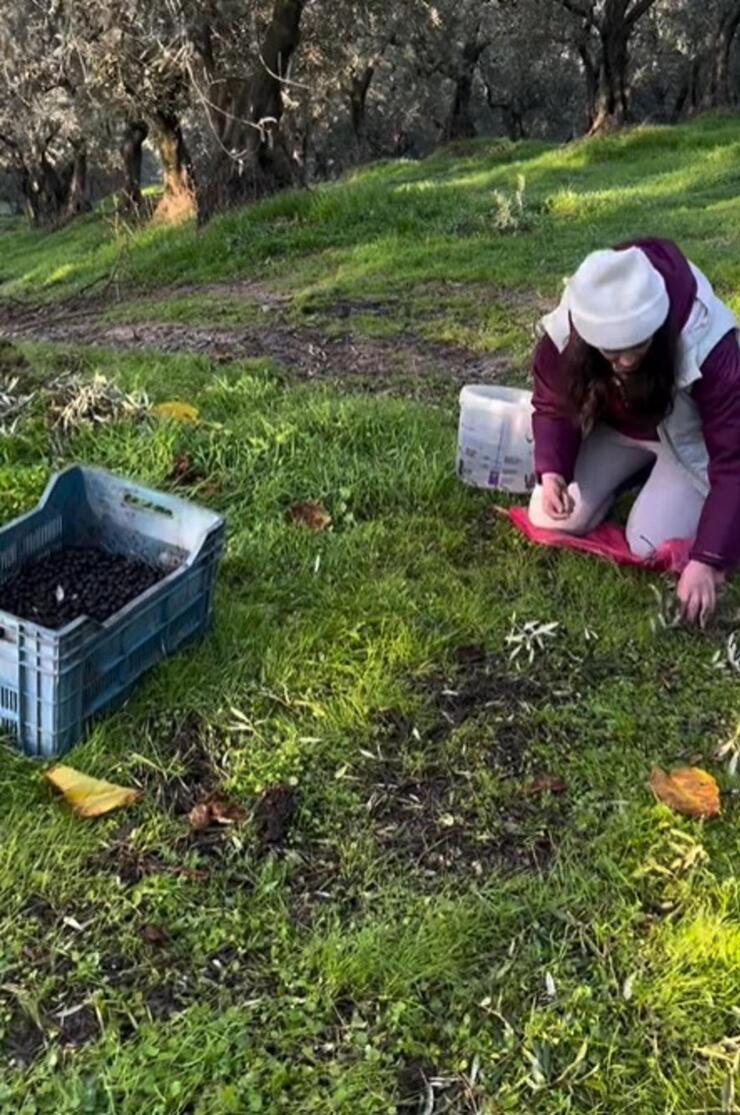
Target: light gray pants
(668, 506)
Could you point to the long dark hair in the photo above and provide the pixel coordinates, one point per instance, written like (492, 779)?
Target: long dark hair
(648, 391)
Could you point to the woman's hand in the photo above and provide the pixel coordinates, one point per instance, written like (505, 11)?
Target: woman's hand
(557, 502)
(697, 591)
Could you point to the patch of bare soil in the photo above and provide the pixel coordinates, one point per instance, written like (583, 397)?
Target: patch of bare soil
(249, 290)
(23, 1040)
(163, 1001)
(374, 362)
(78, 1026)
(420, 1088)
(27, 1034)
(404, 365)
(434, 824)
(273, 815)
(432, 816)
(192, 762)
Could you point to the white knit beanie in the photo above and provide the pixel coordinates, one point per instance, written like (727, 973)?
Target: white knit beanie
(617, 299)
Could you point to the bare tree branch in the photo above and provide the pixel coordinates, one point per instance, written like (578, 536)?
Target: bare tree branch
(640, 9)
(582, 9)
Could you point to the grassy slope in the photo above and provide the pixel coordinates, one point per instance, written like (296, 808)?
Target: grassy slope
(358, 957)
(400, 223)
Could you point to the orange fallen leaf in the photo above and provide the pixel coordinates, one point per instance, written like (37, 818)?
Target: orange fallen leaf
(90, 797)
(688, 790)
(310, 514)
(177, 411)
(544, 784)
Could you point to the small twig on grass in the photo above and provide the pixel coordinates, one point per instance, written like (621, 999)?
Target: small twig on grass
(729, 751)
(730, 657)
(668, 614)
(529, 638)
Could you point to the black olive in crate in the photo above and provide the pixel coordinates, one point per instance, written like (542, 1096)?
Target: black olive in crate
(53, 681)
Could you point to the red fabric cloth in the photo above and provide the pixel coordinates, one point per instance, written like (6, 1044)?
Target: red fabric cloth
(607, 541)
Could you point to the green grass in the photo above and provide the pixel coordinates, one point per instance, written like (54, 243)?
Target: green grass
(403, 223)
(427, 916)
(415, 233)
(192, 309)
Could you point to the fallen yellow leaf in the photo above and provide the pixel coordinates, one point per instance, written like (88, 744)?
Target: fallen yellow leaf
(688, 790)
(90, 797)
(179, 412)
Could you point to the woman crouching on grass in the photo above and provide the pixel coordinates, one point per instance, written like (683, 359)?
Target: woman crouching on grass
(639, 370)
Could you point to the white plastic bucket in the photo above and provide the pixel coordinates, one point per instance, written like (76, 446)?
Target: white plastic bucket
(495, 446)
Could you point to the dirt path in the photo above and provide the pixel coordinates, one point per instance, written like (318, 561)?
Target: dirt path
(400, 364)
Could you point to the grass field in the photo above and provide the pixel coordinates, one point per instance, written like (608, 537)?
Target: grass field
(409, 920)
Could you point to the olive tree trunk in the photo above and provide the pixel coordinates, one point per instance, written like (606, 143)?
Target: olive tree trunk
(131, 151)
(719, 92)
(603, 46)
(245, 115)
(460, 123)
(77, 199)
(178, 180)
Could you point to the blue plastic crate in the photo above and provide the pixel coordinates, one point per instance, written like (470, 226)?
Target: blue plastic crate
(53, 681)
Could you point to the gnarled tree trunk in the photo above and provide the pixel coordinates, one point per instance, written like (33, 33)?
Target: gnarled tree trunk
(131, 150)
(45, 191)
(610, 108)
(245, 115)
(178, 180)
(359, 85)
(460, 123)
(42, 186)
(77, 199)
(719, 92)
(603, 45)
(591, 75)
(688, 97)
(513, 122)
(513, 117)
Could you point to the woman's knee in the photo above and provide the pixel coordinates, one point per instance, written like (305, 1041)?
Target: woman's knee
(578, 522)
(668, 507)
(640, 545)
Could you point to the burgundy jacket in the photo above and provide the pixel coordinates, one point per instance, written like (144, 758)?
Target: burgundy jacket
(557, 433)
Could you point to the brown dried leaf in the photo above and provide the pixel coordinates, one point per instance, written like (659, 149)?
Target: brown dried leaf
(215, 811)
(471, 655)
(688, 790)
(154, 935)
(310, 514)
(199, 816)
(225, 812)
(184, 472)
(546, 783)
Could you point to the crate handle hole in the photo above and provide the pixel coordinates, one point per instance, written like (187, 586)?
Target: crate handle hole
(141, 504)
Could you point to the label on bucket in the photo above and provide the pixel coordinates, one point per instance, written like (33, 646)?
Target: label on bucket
(495, 439)
(481, 466)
